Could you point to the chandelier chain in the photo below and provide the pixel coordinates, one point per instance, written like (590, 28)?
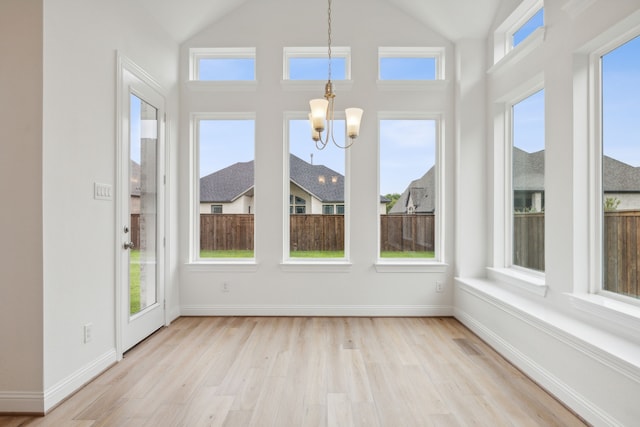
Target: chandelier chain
(329, 37)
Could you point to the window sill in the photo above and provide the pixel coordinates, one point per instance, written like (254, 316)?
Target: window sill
(316, 266)
(315, 85)
(245, 265)
(520, 52)
(222, 86)
(409, 266)
(533, 283)
(619, 313)
(412, 85)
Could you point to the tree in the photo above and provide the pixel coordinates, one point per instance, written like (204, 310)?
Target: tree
(611, 204)
(393, 199)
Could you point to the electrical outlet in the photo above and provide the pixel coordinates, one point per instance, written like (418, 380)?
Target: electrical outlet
(439, 287)
(226, 287)
(87, 333)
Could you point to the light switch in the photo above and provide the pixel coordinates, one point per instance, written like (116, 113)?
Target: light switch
(102, 191)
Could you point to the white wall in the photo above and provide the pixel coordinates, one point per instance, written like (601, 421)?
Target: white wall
(573, 344)
(269, 287)
(21, 326)
(81, 40)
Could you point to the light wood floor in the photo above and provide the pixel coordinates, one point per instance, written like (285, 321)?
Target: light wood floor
(281, 372)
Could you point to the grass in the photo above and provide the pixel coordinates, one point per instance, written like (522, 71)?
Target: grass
(134, 281)
(314, 254)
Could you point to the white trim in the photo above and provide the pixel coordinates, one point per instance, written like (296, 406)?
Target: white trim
(194, 188)
(527, 280)
(235, 265)
(560, 329)
(409, 266)
(625, 316)
(518, 53)
(69, 385)
(318, 310)
(198, 53)
(503, 35)
(27, 402)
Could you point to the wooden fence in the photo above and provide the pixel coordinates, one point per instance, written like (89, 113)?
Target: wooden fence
(312, 232)
(401, 233)
(528, 240)
(621, 252)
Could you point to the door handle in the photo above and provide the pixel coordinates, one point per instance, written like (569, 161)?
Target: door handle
(129, 245)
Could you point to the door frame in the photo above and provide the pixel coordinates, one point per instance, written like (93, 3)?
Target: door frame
(125, 65)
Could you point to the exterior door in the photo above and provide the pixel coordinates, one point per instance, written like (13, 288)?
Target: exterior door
(141, 206)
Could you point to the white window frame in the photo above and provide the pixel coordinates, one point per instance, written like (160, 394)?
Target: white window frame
(596, 282)
(312, 264)
(194, 190)
(198, 53)
(503, 35)
(319, 53)
(502, 268)
(438, 53)
(438, 263)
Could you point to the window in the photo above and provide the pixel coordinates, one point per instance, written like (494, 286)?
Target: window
(396, 63)
(535, 22)
(312, 63)
(620, 180)
(527, 182)
(223, 224)
(316, 187)
(409, 187)
(222, 64)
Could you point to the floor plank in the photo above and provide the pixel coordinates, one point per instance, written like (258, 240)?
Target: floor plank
(295, 371)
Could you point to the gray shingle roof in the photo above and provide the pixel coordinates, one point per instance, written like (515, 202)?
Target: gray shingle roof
(421, 192)
(227, 184)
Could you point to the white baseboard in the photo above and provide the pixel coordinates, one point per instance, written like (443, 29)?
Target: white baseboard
(318, 310)
(571, 397)
(22, 402)
(65, 388)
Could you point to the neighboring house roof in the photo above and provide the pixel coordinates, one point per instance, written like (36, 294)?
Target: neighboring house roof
(620, 177)
(227, 184)
(420, 193)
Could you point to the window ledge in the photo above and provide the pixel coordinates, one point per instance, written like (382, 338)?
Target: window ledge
(532, 283)
(222, 86)
(521, 51)
(610, 310)
(315, 85)
(313, 266)
(409, 266)
(412, 85)
(249, 266)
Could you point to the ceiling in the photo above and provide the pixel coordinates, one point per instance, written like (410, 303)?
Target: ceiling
(454, 19)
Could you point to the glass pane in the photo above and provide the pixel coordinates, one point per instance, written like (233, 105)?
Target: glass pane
(528, 182)
(143, 161)
(529, 27)
(315, 178)
(408, 184)
(621, 169)
(407, 68)
(226, 69)
(316, 68)
(226, 172)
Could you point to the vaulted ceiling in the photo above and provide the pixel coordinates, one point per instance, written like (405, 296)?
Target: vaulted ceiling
(454, 19)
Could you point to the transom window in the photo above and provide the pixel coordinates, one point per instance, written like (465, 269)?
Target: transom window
(222, 64)
(312, 63)
(535, 22)
(414, 63)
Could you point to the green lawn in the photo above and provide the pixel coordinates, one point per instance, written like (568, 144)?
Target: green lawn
(314, 254)
(134, 281)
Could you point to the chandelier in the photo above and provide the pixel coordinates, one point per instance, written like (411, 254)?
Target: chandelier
(321, 117)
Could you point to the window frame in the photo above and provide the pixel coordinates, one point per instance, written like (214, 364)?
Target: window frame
(194, 193)
(437, 53)
(438, 262)
(198, 53)
(316, 52)
(596, 193)
(312, 264)
(503, 35)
